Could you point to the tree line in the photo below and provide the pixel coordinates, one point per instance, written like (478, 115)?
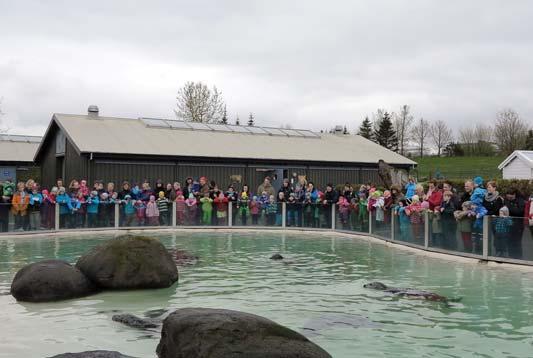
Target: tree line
(397, 131)
(196, 102)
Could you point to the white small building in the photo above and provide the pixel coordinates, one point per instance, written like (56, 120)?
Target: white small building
(518, 165)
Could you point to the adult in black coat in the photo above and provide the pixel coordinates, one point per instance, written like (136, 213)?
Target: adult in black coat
(516, 205)
(493, 202)
(331, 197)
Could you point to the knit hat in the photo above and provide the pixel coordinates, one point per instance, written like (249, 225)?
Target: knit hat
(94, 193)
(127, 197)
(504, 210)
(478, 181)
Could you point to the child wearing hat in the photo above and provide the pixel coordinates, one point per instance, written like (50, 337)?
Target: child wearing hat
(162, 206)
(502, 226)
(152, 212)
(129, 210)
(207, 208)
(92, 209)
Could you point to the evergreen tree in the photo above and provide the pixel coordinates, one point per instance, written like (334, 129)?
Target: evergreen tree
(385, 134)
(251, 119)
(224, 119)
(529, 140)
(365, 130)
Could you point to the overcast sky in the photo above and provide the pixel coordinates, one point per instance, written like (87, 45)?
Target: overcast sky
(312, 64)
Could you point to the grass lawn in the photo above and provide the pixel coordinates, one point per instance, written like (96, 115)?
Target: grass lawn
(459, 167)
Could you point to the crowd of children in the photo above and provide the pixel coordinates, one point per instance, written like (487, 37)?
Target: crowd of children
(200, 202)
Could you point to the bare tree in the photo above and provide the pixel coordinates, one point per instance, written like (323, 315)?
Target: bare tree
(402, 124)
(477, 140)
(197, 103)
(420, 135)
(467, 137)
(440, 134)
(510, 132)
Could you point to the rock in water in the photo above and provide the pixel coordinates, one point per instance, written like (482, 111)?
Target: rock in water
(129, 262)
(134, 321)
(92, 354)
(217, 333)
(276, 257)
(50, 280)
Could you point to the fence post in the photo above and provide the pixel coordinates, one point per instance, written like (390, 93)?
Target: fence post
(370, 228)
(230, 214)
(426, 229)
(117, 215)
(333, 219)
(56, 214)
(174, 214)
(284, 214)
(392, 226)
(486, 233)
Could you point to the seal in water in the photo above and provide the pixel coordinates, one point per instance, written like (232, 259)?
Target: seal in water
(410, 292)
(276, 257)
(134, 321)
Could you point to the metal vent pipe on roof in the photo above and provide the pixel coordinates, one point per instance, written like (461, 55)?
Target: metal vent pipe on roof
(93, 110)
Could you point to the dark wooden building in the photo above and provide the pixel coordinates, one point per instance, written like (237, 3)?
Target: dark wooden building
(94, 147)
(16, 157)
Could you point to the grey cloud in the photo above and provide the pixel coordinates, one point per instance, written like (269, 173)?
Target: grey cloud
(309, 63)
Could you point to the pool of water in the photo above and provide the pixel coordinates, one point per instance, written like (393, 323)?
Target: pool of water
(318, 292)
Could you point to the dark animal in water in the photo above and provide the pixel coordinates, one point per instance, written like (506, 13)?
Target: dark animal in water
(410, 292)
(134, 321)
(276, 257)
(183, 258)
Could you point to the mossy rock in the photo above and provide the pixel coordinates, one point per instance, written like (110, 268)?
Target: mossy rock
(129, 262)
(50, 280)
(219, 333)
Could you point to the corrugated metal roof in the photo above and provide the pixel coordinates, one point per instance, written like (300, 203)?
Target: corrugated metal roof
(18, 148)
(132, 136)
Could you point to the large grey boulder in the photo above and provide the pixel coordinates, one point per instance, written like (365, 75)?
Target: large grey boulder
(50, 280)
(214, 333)
(129, 262)
(92, 354)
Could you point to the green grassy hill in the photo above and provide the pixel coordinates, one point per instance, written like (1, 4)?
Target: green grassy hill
(459, 167)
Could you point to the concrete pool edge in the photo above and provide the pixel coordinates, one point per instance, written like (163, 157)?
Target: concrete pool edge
(523, 266)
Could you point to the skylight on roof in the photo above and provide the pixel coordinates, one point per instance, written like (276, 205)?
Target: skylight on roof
(275, 131)
(219, 127)
(155, 122)
(198, 125)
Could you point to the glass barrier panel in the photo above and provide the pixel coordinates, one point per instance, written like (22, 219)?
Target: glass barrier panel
(309, 215)
(220, 212)
(409, 226)
(88, 214)
(28, 216)
(381, 223)
(461, 234)
(131, 213)
(510, 237)
(352, 217)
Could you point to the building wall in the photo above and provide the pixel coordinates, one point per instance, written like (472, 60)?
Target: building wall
(517, 169)
(132, 171)
(48, 163)
(75, 164)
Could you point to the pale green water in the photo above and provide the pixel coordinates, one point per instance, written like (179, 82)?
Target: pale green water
(324, 281)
